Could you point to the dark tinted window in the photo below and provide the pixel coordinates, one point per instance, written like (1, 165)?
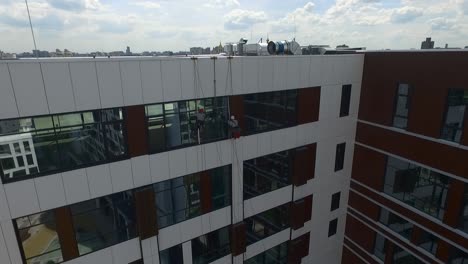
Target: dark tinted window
(340, 156)
(267, 173)
(60, 142)
(332, 226)
(267, 223)
(269, 111)
(172, 255)
(275, 255)
(175, 124)
(379, 246)
(417, 186)
(400, 116)
(335, 203)
(179, 199)
(104, 221)
(457, 101)
(458, 256)
(401, 256)
(345, 100)
(428, 241)
(210, 247)
(396, 223)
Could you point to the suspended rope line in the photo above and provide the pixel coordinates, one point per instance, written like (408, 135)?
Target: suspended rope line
(32, 30)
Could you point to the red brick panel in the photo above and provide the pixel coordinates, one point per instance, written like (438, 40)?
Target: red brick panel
(205, 192)
(308, 105)
(369, 167)
(146, 213)
(464, 140)
(454, 203)
(440, 156)
(430, 74)
(364, 206)
(308, 208)
(297, 214)
(137, 135)
(304, 164)
(238, 238)
(360, 234)
(66, 233)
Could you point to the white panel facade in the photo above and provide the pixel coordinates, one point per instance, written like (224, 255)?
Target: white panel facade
(131, 82)
(159, 167)
(171, 80)
(141, 171)
(265, 74)
(187, 78)
(50, 191)
(99, 179)
(8, 108)
(22, 198)
(250, 67)
(151, 81)
(267, 201)
(85, 85)
(126, 252)
(110, 84)
(4, 209)
(4, 257)
(121, 175)
(11, 242)
(205, 77)
(29, 92)
(76, 186)
(267, 243)
(58, 86)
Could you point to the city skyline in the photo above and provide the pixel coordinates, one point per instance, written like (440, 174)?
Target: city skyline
(99, 25)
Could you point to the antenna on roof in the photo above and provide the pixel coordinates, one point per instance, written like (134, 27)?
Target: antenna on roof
(32, 31)
(294, 28)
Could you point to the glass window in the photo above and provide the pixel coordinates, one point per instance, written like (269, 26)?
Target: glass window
(340, 156)
(345, 100)
(396, 223)
(332, 226)
(401, 256)
(380, 246)
(177, 199)
(61, 142)
(457, 101)
(210, 247)
(400, 116)
(335, 203)
(39, 239)
(458, 256)
(275, 255)
(267, 223)
(176, 124)
(104, 221)
(267, 173)
(428, 241)
(172, 255)
(418, 187)
(221, 187)
(269, 111)
(464, 212)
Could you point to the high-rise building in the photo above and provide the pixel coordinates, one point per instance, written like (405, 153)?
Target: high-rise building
(139, 161)
(427, 44)
(408, 201)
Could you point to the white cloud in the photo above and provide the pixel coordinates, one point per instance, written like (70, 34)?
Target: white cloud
(442, 23)
(406, 14)
(147, 4)
(222, 3)
(243, 19)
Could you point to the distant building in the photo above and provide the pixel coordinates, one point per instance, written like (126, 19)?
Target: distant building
(196, 50)
(128, 52)
(427, 44)
(40, 53)
(344, 46)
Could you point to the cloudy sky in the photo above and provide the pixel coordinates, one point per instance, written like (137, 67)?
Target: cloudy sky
(157, 25)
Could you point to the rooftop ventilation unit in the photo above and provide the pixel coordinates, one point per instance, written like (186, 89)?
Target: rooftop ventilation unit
(284, 47)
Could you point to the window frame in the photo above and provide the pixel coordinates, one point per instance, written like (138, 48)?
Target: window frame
(347, 102)
(340, 160)
(335, 202)
(332, 227)
(56, 133)
(444, 120)
(408, 96)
